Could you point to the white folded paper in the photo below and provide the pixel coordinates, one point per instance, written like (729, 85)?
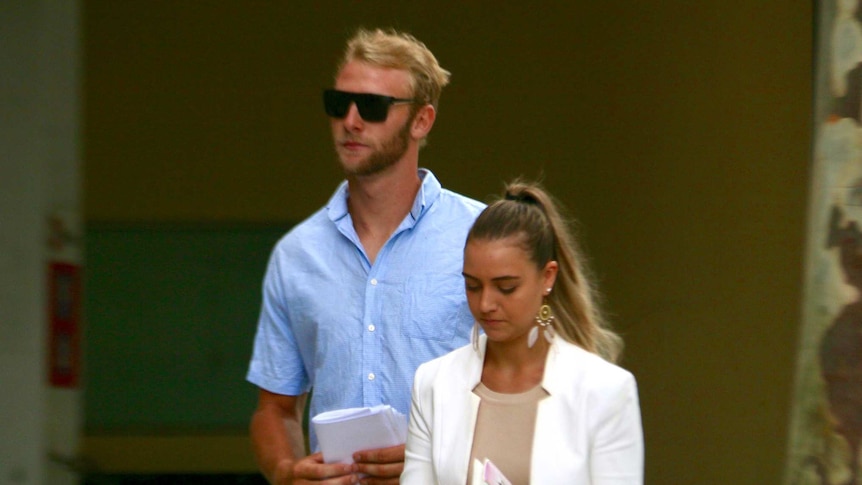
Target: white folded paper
(342, 432)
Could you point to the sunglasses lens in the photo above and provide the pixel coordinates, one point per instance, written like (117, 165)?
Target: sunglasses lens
(372, 107)
(336, 103)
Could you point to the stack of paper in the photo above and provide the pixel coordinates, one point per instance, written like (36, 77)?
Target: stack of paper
(343, 432)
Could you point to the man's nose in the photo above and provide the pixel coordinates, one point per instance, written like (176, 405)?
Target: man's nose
(352, 120)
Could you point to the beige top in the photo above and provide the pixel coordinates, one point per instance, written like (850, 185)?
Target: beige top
(504, 432)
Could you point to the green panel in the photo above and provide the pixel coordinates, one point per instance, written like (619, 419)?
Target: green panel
(170, 317)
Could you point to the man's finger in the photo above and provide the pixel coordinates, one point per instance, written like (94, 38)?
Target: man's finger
(312, 467)
(378, 470)
(379, 481)
(392, 454)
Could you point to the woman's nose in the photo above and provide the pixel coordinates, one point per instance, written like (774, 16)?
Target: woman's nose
(487, 301)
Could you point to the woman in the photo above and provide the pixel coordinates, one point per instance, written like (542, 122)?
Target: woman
(537, 394)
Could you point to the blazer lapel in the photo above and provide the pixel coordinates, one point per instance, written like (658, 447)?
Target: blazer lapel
(459, 409)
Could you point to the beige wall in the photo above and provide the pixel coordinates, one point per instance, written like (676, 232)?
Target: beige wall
(677, 132)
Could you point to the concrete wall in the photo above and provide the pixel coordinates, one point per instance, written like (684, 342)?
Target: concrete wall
(40, 118)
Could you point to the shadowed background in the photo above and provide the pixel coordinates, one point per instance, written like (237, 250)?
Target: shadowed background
(677, 133)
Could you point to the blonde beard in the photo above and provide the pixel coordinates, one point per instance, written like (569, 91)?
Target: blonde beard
(390, 151)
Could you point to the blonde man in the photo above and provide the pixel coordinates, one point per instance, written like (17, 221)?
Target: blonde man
(365, 290)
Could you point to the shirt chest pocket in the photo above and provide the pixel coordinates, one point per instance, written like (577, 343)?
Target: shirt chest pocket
(434, 306)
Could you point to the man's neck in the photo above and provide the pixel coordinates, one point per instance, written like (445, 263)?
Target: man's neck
(378, 203)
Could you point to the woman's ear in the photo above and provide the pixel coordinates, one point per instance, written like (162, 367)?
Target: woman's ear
(549, 274)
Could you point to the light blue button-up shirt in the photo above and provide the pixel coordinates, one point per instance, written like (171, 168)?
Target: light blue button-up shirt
(353, 331)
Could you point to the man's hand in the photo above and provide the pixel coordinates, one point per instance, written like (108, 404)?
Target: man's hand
(311, 469)
(380, 466)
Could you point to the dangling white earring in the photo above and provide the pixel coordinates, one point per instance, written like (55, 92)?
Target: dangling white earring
(544, 319)
(474, 339)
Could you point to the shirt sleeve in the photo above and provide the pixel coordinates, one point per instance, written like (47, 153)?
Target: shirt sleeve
(276, 364)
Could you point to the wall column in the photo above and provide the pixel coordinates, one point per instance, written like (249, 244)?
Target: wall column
(40, 119)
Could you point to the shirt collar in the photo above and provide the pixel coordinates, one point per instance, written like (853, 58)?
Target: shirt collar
(428, 193)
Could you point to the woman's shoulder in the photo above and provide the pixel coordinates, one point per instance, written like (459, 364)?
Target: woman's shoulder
(451, 367)
(588, 366)
(457, 357)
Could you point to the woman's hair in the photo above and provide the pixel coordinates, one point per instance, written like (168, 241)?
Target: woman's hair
(398, 50)
(530, 214)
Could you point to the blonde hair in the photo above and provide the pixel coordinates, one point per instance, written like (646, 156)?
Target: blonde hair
(399, 50)
(532, 215)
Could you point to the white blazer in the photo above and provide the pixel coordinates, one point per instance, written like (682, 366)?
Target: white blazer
(588, 430)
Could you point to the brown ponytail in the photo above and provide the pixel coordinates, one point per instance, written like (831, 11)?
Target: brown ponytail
(530, 213)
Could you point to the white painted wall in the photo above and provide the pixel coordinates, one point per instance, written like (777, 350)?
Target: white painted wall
(40, 151)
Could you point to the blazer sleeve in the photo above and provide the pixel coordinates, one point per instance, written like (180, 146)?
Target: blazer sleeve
(617, 456)
(418, 468)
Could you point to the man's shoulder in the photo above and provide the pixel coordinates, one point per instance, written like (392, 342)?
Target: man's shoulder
(455, 210)
(307, 232)
(459, 200)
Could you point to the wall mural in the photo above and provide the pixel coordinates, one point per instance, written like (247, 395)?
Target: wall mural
(825, 440)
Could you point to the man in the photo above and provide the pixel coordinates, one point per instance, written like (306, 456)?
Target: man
(370, 286)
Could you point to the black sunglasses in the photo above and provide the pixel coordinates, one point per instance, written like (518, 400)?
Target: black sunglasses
(372, 107)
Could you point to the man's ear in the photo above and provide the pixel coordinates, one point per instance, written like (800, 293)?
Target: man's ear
(423, 121)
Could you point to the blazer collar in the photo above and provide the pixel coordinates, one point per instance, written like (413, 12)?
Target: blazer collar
(551, 381)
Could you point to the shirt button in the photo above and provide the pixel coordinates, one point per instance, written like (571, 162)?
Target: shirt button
(373, 281)
(371, 327)
(371, 376)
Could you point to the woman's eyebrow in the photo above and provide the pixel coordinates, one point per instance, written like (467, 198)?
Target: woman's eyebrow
(496, 278)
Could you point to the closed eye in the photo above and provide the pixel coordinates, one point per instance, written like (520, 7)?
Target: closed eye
(471, 284)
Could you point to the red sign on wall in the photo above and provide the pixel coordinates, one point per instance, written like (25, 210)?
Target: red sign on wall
(64, 292)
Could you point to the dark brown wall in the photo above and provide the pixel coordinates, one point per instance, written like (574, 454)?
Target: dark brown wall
(677, 132)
